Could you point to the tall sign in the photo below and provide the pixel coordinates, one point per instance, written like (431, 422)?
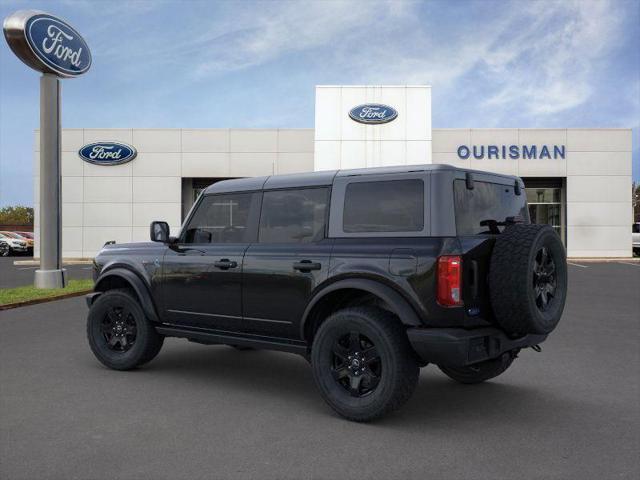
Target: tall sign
(51, 46)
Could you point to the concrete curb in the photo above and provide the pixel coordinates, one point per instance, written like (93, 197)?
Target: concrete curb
(26, 303)
(604, 260)
(70, 261)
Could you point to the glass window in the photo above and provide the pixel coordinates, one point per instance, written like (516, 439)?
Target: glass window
(385, 206)
(545, 207)
(223, 219)
(543, 195)
(487, 201)
(635, 228)
(293, 216)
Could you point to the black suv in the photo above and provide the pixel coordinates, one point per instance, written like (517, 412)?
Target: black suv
(369, 274)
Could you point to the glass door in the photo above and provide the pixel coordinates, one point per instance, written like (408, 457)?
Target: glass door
(546, 207)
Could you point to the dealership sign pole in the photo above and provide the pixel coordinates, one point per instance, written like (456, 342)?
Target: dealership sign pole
(51, 46)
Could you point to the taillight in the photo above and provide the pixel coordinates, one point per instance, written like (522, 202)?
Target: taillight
(449, 280)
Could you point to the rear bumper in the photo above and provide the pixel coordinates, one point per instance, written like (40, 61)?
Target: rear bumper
(457, 347)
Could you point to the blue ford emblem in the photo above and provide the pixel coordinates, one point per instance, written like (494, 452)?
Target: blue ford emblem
(57, 45)
(373, 113)
(107, 153)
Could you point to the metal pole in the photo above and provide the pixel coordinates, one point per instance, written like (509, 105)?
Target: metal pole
(51, 274)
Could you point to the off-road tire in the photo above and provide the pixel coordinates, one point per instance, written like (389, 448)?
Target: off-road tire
(398, 365)
(147, 342)
(512, 279)
(482, 371)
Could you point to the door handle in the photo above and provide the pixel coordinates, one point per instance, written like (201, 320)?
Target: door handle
(306, 265)
(225, 264)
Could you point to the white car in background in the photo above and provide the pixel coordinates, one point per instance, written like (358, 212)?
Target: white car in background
(10, 245)
(635, 237)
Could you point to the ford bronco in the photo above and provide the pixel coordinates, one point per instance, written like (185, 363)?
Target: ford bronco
(370, 274)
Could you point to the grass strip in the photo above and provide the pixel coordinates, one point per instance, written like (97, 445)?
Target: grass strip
(9, 296)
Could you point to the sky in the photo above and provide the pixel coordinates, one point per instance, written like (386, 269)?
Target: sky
(207, 64)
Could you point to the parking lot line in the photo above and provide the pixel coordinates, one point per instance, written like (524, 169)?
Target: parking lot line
(577, 265)
(632, 264)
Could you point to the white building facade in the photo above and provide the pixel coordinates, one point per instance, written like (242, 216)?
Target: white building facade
(577, 180)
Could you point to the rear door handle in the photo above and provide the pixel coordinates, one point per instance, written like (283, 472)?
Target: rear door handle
(306, 265)
(225, 264)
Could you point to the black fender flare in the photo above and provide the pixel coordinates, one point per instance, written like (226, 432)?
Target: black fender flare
(136, 283)
(399, 305)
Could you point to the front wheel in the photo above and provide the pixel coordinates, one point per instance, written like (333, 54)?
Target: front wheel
(363, 363)
(482, 371)
(5, 250)
(119, 333)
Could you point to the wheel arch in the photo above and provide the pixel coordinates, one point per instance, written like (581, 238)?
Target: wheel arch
(124, 278)
(330, 298)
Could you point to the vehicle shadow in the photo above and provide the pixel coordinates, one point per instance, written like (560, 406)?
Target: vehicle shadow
(438, 402)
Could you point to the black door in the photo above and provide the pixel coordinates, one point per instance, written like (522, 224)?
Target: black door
(202, 272)
(290, 259)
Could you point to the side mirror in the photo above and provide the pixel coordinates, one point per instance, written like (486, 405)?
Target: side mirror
(159, 232)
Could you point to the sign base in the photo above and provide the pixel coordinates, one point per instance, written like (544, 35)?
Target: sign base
(50, 278)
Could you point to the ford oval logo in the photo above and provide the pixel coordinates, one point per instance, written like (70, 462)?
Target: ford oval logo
(58, 45)
(107, 153)
(373, 113)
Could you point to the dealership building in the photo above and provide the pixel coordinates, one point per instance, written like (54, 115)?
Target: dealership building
(577, 180)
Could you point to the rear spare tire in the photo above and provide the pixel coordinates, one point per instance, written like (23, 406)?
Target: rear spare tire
(528, 279)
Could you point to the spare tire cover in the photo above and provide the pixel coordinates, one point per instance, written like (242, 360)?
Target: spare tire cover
(528, 279)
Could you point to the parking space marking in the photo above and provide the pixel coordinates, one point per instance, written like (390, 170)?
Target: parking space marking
(632, 264)
(26, 268)
(577, 265)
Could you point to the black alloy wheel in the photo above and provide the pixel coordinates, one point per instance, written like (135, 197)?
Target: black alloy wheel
(356, 364)
(119, 329)
(119, 333)
(544, 279)
(4, 249)
(362, 363)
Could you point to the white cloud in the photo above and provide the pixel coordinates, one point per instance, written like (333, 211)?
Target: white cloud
(549, 66)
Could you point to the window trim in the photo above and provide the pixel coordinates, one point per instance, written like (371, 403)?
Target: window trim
(336, 215)
(325, 232)
(257, 199)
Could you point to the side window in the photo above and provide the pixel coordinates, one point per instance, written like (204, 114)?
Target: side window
(227, 218)
(384, 206)
(293, 216)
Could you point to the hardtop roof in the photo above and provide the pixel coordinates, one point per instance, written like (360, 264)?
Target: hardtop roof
(325, 178)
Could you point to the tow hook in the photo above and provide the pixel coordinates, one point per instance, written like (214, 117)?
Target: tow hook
(536, 348)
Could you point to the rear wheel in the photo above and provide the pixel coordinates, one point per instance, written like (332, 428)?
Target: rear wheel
(482, 371)
(119, 333)
(5, 250)
(363, 364)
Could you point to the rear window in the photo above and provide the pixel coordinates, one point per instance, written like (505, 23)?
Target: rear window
(385, 206)
(487, 201)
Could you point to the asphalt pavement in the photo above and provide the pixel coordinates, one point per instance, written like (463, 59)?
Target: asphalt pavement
(21, 275)
(569, 412)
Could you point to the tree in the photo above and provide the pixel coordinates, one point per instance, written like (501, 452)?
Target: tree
(16, 215)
